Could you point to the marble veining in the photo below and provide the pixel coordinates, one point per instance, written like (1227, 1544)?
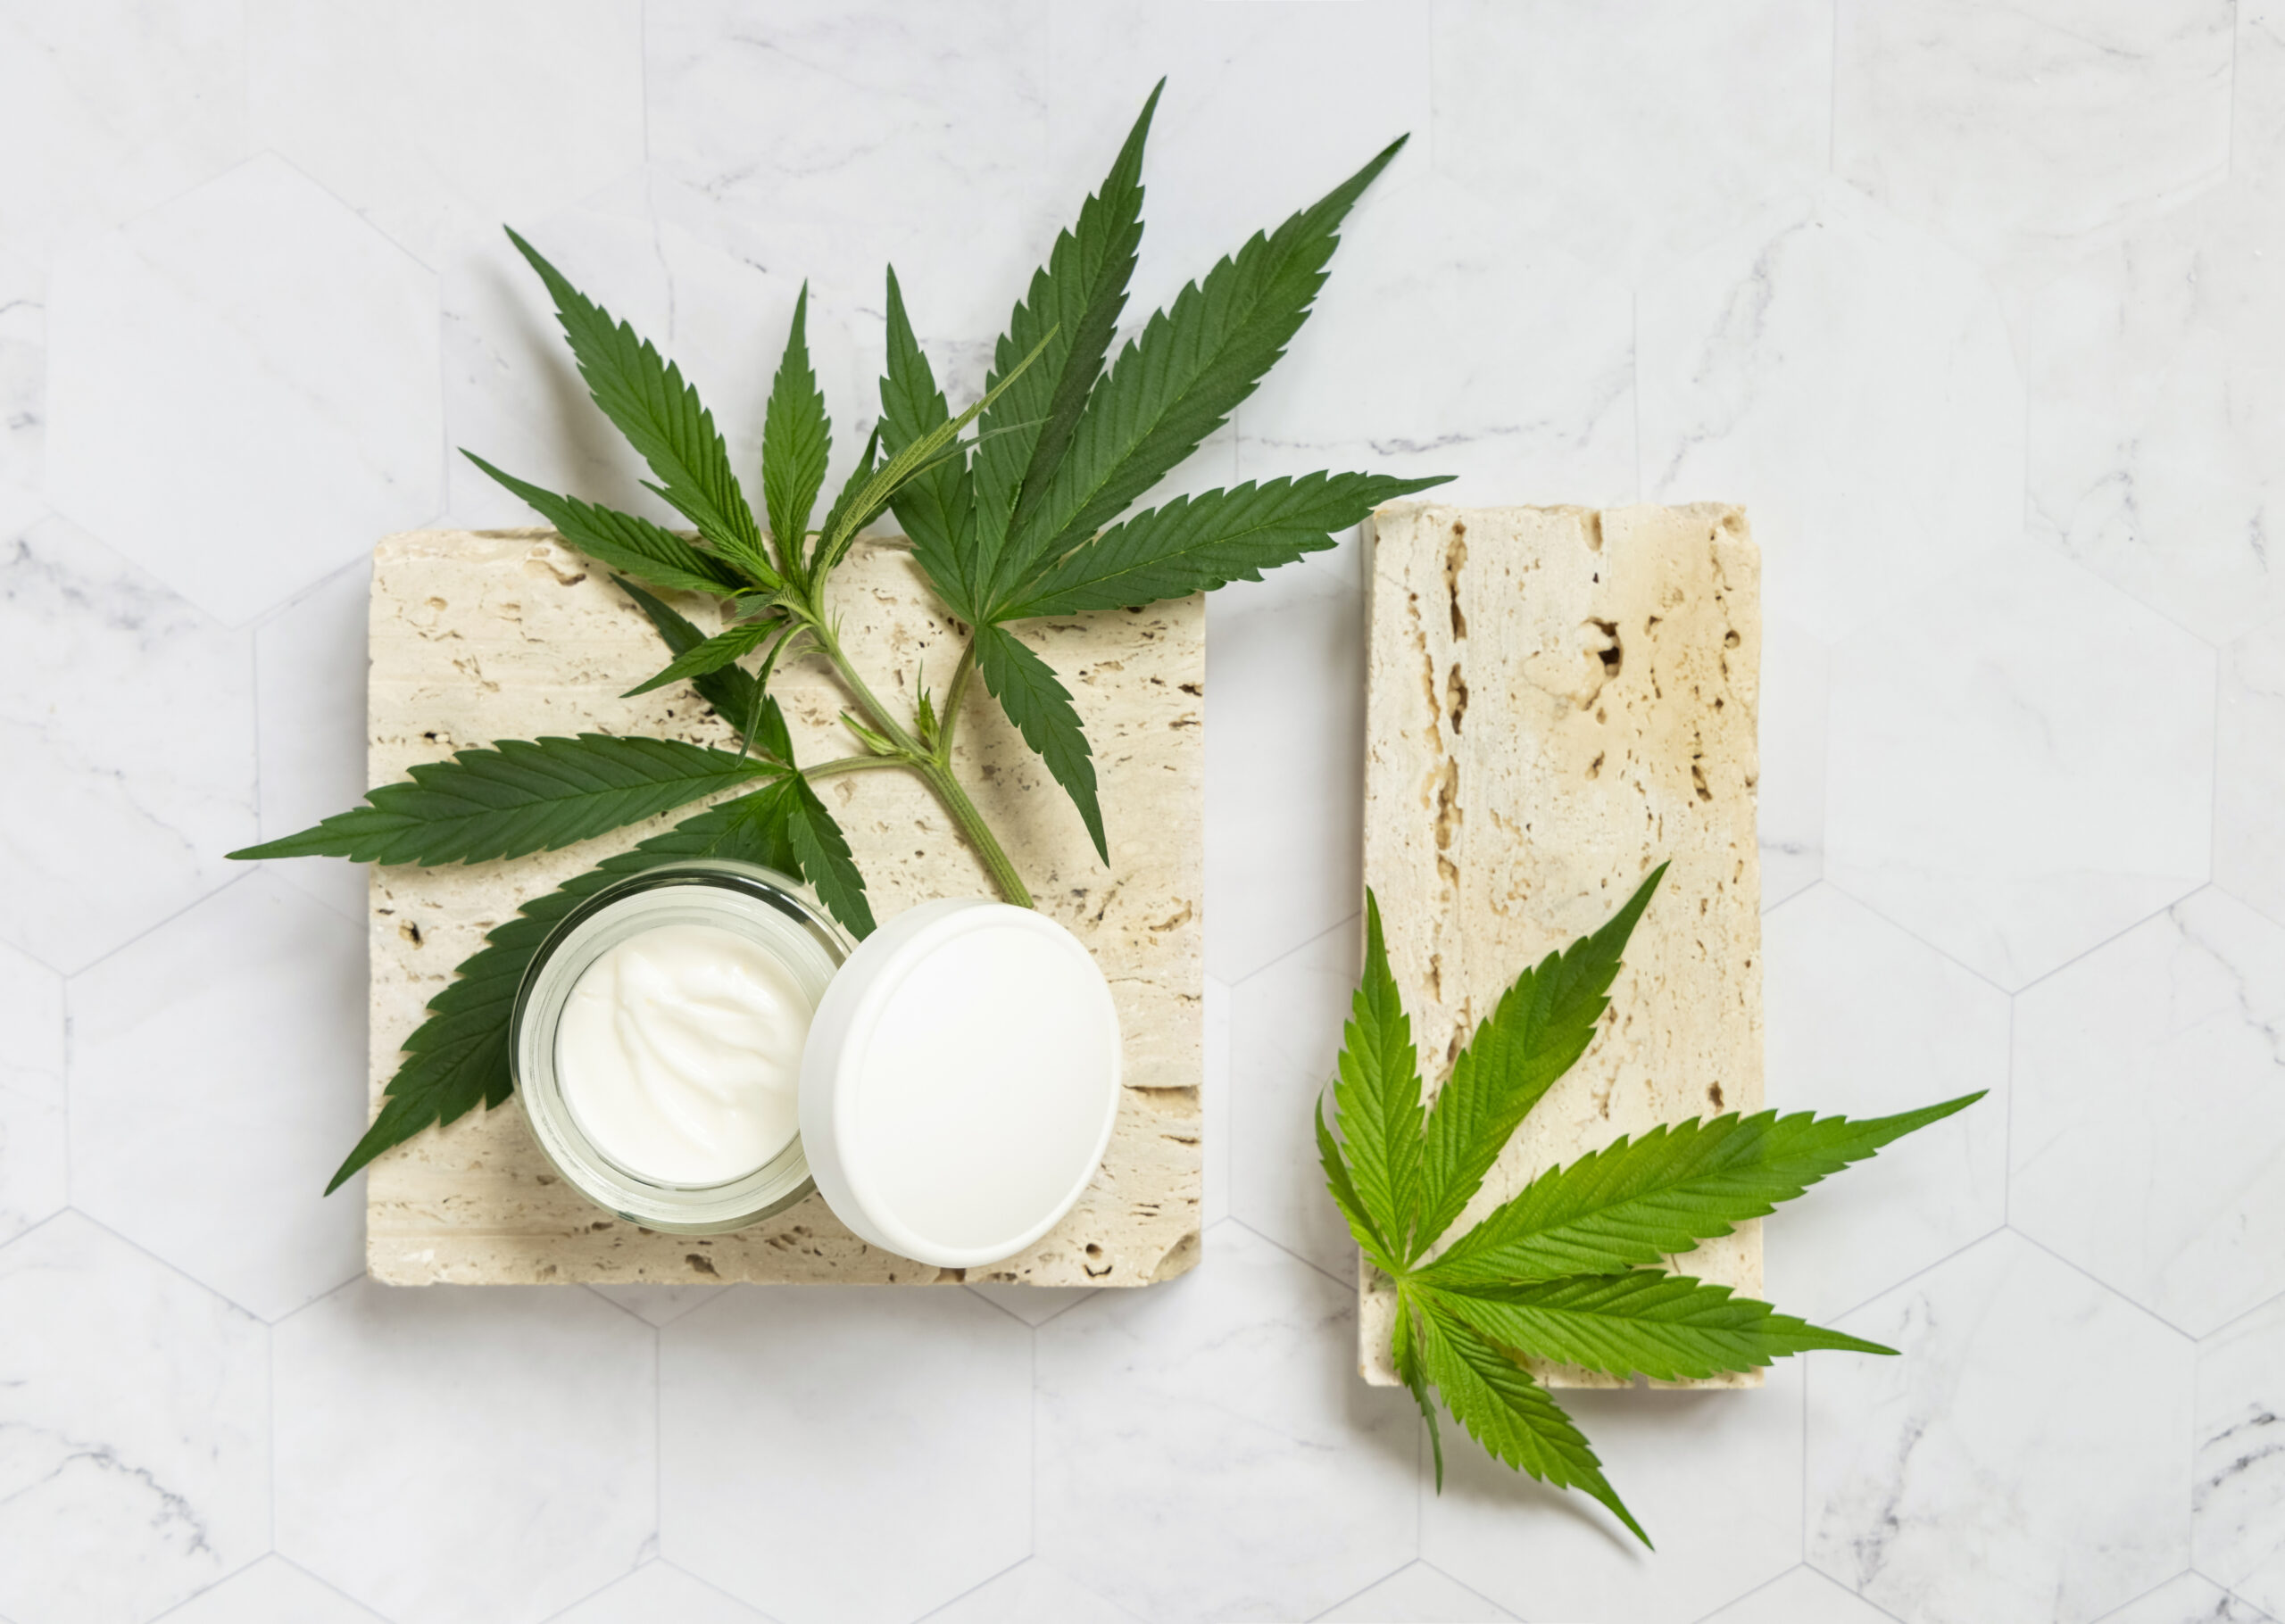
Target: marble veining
(1974, 308)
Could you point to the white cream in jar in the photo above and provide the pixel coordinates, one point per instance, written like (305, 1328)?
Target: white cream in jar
(680, 1054)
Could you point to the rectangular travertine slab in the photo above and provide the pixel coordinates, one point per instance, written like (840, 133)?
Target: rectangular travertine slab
(1558, 700)
(509, 634)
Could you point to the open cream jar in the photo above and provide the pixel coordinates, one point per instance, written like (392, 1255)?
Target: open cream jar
(691, 1042)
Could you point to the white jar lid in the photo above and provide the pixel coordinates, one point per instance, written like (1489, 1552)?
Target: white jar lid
(960, 1082)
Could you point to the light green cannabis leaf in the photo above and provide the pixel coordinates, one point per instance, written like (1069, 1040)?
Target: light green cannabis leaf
(1012, 507)
(1573, 1269)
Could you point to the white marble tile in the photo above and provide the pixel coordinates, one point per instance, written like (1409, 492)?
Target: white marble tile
(1416, 1594)
(1803, 1596)
(1031, 1594)
(436, 121)
(2154, 375)
(657, 1304)
(798, 1424)
(23, 369)
(1449, 340)
(1214, 1104)
(1033, 1304)
(2186, 1599)
(1863, 1020)
(1795, 686)
(243, 389)
(1205, 1450)
(218, 1078)
(274, 1591)
(2023, 1457)
(821, 139)
(1265, 111)
(513, 396)
(137, 1410)
(2257, 98)
(1713, 1476)
(658, 1593)
(1632, 135)
(1285, 1023)
(2022, 131)
(2149, 1142)
(2021, 765)
(125, 104)
(2249, 772)
(32, 1134)
(309, 665)
(130, 780)
(1849, 381)
(452, 1454)
(1284, 765)
(2236, 1534)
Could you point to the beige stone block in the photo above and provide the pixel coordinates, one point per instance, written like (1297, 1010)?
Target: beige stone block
(509, 634)
(1558, 700)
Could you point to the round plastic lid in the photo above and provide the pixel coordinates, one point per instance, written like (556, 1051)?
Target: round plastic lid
(960, 1082)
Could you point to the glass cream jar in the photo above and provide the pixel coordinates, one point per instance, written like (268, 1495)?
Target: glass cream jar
(770, 914)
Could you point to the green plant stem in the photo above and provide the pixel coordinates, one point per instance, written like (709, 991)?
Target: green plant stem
(850, 764)
(949, 719)
(934, 770)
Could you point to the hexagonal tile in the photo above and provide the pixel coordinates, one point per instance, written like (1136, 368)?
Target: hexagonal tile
(656, 1305)
(2240, 1466)
(2021, 765)
(309, 666)
(534, 1407)
(1447, 340)
(1850, 382)
(1284, 1036)
(2022, 131)
(1790, 812)
(32, 1136)
(2250, 772)
(793, 135)
(439, 122)
(2154, 369)
(2257, 98)
(253, 337)
(1195, 1417)
(1863, 1020)
(1803, 1596)
(1031, 1594)
(1631, 169)
(1418, 1595)
(126, 104)
(1305, 106)
(2022, 1458)
(23, 371)
(144, 760)
(1284, 765)
(1031, 1305)
(2155, 1065)
(273, 1591)
(513, 396)
(798, 1424)
(218, 1078)
(2186, 1599)
(1716, 1477)
(136, 1407)
(657, 1591)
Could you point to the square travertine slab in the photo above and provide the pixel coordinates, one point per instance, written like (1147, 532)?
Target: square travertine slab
(1558, 700)
(478, 636)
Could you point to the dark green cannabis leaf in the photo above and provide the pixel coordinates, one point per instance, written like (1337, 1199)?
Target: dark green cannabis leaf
(1571, 1270)
(1019, 519)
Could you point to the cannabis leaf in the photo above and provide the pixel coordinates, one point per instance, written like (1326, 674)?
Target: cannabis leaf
(518, 797)
(1571, 1270)
(1012, 505)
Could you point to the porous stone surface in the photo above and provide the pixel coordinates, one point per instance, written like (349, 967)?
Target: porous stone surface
(499, 635)
(1558, 700)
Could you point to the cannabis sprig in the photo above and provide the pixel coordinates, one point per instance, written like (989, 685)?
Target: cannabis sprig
(1571, 1270)
(1014, 508)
